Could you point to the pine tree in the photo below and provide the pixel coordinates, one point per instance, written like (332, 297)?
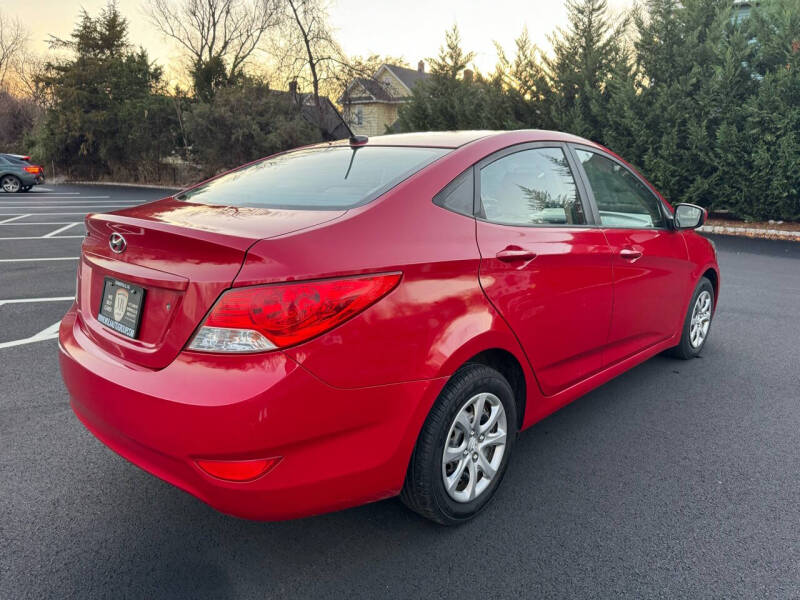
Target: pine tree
(452, 98)
(524, 81)
(452, 59)
(676, 53)
(771, 185)
(585, 56)
(107, 106)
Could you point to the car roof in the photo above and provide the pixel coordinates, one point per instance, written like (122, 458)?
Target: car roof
(456, 139)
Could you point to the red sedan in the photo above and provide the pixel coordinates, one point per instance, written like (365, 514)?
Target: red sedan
(356, 320)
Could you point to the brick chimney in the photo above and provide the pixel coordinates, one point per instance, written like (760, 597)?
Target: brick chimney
(468, 74)
(421, 66)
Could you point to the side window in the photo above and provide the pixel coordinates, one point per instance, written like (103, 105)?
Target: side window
(458, 194)
(623, 200)
(531, 187)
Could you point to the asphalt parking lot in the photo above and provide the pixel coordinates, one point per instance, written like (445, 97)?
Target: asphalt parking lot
(675, 480)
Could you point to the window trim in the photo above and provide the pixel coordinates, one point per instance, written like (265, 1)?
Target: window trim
(588, 209)
(665, 212)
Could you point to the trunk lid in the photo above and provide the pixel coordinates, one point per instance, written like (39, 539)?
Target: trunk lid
(183, 255)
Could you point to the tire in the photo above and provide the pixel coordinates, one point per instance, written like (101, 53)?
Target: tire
(424, 490)
(691, 344)
(10, 184)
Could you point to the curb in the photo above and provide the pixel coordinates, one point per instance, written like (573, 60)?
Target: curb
(753, 232)
(119, 184)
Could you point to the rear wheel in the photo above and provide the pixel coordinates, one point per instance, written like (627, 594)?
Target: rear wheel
(463, 450)
(697, 323)
(10, 184)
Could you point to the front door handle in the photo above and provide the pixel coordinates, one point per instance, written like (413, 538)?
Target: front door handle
(630, 254)
(515, 254)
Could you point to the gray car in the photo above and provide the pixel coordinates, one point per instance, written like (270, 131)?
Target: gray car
(17, 174)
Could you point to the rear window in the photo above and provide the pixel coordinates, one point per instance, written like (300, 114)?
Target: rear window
(337, 177)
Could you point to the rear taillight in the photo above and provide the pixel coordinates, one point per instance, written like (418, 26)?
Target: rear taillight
(257, 319)
(33, 169)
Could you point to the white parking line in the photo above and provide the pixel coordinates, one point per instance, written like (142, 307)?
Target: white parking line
(42, 237)
(13, 219)
(37, 192)
(40, 223)
(55, 198)
(59, 230)
(40, 214)
(104, 205)
(14, 260)
(48, 333)
(29, 300)
(71, 202)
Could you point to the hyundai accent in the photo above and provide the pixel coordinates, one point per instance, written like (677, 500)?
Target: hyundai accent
(363, 319)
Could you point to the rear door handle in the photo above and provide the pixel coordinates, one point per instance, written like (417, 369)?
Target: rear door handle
(630, 254)
(515, 254)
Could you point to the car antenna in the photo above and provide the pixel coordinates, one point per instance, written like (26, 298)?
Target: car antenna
(356, 141)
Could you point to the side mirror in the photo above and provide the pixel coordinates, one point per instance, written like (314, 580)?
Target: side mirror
(689, 216)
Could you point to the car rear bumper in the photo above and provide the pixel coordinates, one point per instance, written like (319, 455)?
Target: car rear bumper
(339, 447)
(28, 179)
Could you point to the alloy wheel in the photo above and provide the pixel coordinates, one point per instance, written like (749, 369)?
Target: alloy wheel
(701, 319)
(10, 184)
(475, 447)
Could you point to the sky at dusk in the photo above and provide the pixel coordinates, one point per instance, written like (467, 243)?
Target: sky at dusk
(413, 29)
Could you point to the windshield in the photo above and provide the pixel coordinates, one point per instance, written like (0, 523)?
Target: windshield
(336, 177)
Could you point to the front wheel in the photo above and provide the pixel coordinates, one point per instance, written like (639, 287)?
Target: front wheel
(697, 323)
(10, 184)
(463, 449)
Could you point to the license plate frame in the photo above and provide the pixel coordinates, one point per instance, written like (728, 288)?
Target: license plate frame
(121, 306)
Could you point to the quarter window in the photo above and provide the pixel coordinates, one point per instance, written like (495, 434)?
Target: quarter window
(531, 187)
(623, 200)
(458, 195)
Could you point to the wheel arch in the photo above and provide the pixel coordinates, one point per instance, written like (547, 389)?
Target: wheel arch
(713, 276)
(509, 366)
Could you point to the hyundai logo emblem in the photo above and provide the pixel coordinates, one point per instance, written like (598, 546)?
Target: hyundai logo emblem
(117, 243)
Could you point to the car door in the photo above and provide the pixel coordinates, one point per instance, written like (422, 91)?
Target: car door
(543, 266)
(650, 259)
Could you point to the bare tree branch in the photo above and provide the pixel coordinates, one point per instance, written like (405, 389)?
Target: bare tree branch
(13, 38)
(207, 30)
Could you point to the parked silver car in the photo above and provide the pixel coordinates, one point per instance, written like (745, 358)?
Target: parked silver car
(17, 174)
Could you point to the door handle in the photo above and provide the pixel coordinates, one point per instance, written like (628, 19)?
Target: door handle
(630, 254)
(515, 254)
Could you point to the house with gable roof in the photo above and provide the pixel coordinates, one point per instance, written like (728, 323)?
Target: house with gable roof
(370, 104)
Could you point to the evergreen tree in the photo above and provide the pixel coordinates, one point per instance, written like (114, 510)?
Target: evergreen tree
(454, 98)
(524, 81)
(768, 187)
(452, 59)
(245, 122)
(664, 113)
(585, 57)
(106, 108)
